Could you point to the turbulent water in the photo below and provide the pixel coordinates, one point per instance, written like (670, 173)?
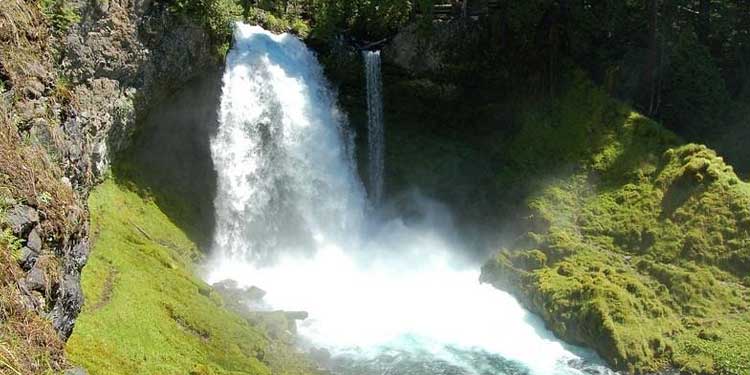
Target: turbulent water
(384, 296)
(375, 126)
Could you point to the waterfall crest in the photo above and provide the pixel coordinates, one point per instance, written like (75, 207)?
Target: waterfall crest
(375, 126)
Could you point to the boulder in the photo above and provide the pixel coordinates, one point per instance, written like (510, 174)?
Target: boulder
(21, 218)
(36, 280)
(320, 355)
(67, 305)
(28, 258)
(296, 315)
(77, 255)
(34, 241)
(230, 290)
(253, 293)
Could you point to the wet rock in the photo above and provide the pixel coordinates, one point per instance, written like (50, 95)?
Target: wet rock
(68, 305)
(78, 255)
(230, 290)
(254, 293)
(227, 284)
(323, 358)
(296, 315)
(34, 241)
(21, 218)
(275, 324)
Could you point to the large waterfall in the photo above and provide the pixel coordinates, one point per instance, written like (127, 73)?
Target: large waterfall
(375, 127)
(383, 297)
(284, 160)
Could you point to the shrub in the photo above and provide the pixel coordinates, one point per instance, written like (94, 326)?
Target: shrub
(60, 15)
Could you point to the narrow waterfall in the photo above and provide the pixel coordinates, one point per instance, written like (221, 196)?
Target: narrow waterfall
(395, 298)
(375, 126)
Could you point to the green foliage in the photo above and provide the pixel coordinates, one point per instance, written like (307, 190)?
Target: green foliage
(60, 14)
(10, 242)
(146, 311)
(695, 95)
(640, 250)
(45, 198)
(366, 19)
(216, 16)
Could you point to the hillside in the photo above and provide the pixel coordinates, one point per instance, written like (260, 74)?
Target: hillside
(640, 250)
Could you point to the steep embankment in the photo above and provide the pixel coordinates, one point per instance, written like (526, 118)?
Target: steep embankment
(147, 312)
(640, 248)
(43, 222)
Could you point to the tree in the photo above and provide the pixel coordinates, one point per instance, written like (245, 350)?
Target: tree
(695, 95)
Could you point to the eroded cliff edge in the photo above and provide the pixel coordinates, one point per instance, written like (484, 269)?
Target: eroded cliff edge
(75, 78)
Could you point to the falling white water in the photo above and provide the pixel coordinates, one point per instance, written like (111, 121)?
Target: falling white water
(284, 161)
(375, 127)
(383, 297)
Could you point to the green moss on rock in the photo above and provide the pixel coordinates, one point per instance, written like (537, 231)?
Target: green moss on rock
(640, 250)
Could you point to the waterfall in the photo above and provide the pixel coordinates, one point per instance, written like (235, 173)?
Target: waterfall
(290, 211)
(283, 155)
(375, 127)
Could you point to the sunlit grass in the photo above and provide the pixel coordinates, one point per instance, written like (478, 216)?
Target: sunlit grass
(147, 313)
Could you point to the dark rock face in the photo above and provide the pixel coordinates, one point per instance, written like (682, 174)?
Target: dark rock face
(411, 51)
(21, 218)
(69, 304)
(123, 58)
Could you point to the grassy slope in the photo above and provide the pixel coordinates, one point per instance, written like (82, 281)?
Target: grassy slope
(147, 313)
(636, 246)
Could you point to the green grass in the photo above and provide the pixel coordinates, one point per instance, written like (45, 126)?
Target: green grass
(637, 247)
(147, 313)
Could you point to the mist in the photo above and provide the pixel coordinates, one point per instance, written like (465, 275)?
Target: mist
(386, 286)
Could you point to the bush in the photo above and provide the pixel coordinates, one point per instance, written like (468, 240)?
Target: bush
(363, 19)
(60, 15)
(216, 16)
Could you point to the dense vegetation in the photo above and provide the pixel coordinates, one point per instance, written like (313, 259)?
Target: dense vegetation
(641, 250)
(683, 62)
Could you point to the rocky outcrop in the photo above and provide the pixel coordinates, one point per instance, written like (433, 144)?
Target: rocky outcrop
(434, 53)
(122, 58)
(70, 99)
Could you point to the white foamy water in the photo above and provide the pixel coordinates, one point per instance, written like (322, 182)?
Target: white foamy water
(383, 296)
